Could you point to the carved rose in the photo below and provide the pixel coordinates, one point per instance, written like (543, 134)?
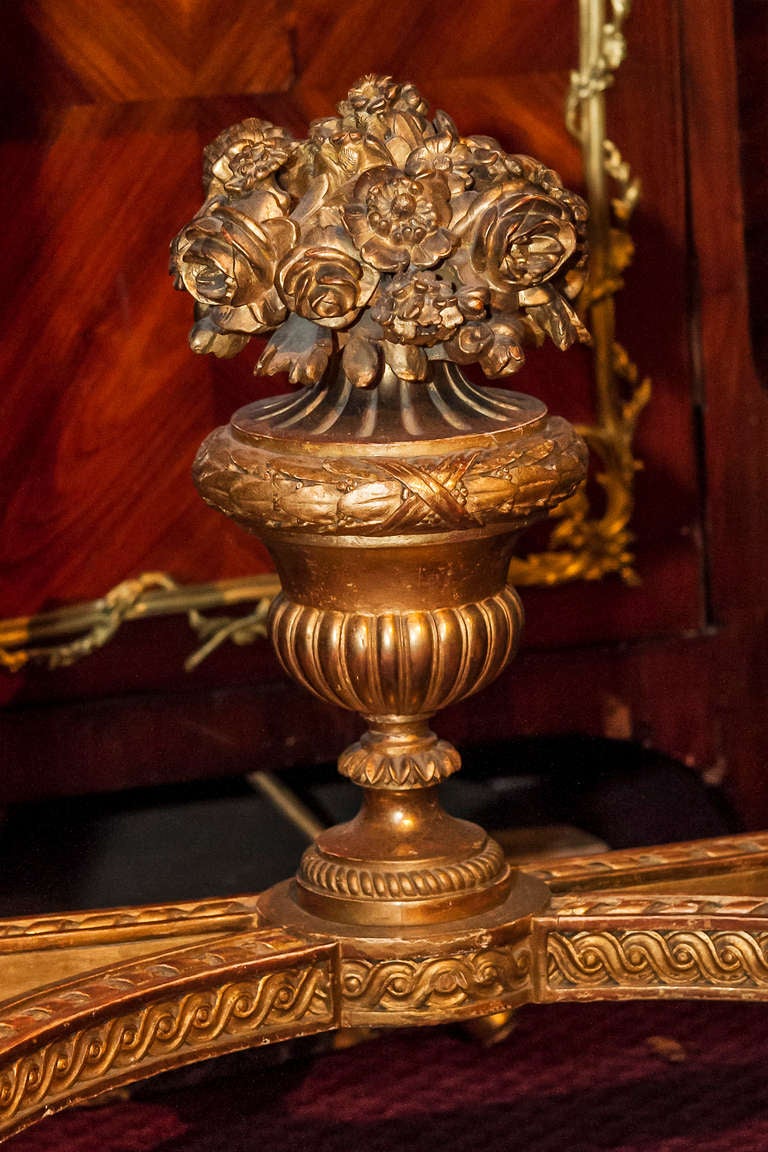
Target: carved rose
(520, 240)
(385, 240)
(324, 283)
(227, 259)
(246, 154)
(421, 308)
(397, 219)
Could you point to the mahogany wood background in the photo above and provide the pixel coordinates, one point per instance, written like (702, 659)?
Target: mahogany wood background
(103, 405)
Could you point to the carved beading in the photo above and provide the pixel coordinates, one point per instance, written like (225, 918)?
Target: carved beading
(390, 881)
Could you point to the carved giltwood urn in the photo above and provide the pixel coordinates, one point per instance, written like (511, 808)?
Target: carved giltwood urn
(381, 255)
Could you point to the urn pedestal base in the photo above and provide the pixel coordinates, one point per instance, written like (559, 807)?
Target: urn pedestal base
(391, 518)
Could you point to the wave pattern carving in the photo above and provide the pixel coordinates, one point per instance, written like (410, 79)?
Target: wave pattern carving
(426, 985)
(658, 959)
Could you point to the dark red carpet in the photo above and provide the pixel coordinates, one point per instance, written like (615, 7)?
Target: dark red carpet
(664, 1077)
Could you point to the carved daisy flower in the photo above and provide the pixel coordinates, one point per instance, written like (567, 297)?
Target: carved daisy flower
(422, 308)
(397, 220)
(374, 95)
(246, 154)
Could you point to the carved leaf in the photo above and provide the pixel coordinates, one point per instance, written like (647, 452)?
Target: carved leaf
(361, 361)
(558, 320)
(407, 361)
(206, 337)
(300, 348)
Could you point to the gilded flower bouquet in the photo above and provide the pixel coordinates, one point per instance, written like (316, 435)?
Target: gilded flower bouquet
(385, 238)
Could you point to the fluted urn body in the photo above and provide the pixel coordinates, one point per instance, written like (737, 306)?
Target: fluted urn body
(382, 254)
(391, 521)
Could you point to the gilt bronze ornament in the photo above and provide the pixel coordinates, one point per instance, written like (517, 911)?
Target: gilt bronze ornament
(380, 255)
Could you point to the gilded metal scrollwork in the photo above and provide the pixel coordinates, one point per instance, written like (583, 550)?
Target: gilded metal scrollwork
(583, 544)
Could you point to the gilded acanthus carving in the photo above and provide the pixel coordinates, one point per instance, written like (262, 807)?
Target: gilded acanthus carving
(385, 237)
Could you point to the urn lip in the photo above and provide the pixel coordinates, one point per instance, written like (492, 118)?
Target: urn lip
(333, 418)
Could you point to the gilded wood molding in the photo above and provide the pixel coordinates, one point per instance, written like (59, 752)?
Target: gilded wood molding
(169, 1007)
(198, 979)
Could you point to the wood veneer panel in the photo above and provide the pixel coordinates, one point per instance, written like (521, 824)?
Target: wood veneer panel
(734, 414)
(103, 403)
(166, 49)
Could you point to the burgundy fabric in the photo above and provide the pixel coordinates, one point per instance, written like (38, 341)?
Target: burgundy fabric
(629, 1077)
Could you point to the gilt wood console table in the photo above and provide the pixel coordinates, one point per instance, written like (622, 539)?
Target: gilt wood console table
(380, 256)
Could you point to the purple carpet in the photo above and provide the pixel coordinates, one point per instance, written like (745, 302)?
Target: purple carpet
(659, 1077)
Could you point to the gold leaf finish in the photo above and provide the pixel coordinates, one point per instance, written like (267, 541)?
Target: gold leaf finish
(160, 1033)
(427, 986)
(507, 481)
(584, 543)
(382, 235)
(393, 882)
(657, 960)
(112, 1027)
(397, 663)
(382, 253)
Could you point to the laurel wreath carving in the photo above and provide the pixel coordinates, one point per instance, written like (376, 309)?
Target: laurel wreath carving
(632, 959)
(337, 495)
